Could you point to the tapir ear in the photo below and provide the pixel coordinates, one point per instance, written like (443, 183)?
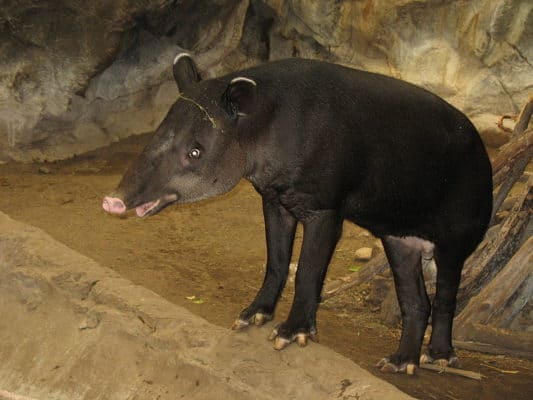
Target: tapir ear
(185, 71)
(240, 96)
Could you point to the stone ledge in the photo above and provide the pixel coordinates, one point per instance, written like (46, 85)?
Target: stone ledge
(71, 329)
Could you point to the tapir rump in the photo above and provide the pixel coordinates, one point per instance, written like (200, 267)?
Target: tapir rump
(322, 143)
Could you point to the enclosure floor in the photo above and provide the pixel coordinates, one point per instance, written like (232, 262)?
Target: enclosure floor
(214, 250)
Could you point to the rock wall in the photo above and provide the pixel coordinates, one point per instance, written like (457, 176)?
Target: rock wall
(75, 75)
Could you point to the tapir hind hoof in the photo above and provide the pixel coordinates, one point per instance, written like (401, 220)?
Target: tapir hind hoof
(386, 365)
(452, 361)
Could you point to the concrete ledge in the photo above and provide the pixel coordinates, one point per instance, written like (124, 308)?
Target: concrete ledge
(71, 329)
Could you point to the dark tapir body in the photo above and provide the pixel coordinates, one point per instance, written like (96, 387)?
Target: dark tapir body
(322, 143)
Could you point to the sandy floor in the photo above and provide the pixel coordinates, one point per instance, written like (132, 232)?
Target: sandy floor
(215, 251)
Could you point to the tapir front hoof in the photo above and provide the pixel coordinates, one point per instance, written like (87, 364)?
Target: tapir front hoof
(240, 324)
(257, 319)
(386, 365)
(301, 338)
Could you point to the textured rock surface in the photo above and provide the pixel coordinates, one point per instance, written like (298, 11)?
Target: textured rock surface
(476, 53)
(75, 77)
(71, 329)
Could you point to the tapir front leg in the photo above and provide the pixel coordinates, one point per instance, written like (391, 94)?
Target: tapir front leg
(321, 233)
(280, 227)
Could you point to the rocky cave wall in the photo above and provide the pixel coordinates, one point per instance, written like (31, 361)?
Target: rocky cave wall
(76, 75)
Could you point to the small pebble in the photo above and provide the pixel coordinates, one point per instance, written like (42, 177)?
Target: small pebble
(363, 254)
(44, 170)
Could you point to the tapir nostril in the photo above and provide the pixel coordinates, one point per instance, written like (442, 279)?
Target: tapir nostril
(113, 205)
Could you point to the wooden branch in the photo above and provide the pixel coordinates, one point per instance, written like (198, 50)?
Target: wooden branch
(492, 304)
(502, 341)
(524, 117)
(516, 149)
(504, 117)
(490, 349)
(515, 171)
(375, 266)
(492, 256)
(488, 315)
(455, 371)
(503, 371)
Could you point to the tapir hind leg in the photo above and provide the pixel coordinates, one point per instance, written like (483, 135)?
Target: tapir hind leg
(405, 258)
(449, 265)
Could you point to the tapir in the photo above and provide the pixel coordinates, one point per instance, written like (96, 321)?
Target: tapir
(323, 143)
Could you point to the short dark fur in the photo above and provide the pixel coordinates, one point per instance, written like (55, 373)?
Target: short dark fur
(322, 143)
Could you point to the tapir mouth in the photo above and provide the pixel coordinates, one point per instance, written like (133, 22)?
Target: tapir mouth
(115, 205)
(154, 206)
(144, 209)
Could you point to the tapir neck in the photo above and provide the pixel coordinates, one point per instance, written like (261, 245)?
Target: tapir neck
(263, 174)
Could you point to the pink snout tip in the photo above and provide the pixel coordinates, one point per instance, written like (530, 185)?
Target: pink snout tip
(113, 205)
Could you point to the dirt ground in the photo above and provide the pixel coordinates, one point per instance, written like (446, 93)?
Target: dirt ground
(215, 251)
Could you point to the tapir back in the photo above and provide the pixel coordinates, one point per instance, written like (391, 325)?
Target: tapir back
(400, 159)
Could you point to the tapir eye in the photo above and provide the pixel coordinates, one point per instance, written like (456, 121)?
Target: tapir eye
(194, 153)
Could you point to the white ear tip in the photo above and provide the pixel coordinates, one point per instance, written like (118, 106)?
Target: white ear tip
(180, 55)
(243, 79)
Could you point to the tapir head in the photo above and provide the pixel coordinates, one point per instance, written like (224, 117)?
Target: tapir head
(195, 153)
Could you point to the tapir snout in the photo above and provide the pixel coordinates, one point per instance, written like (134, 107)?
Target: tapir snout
(113, 205)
